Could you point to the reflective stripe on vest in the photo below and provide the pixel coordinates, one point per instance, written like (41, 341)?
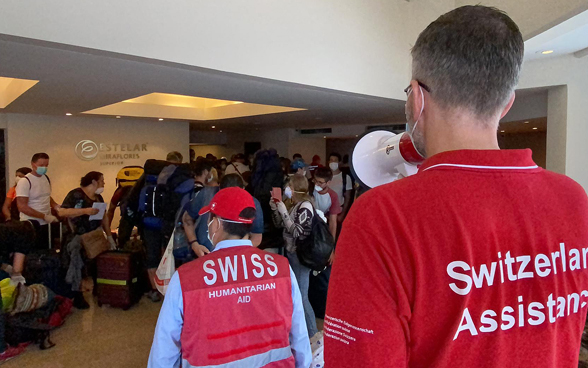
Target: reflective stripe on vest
(259, 360)
(250, 292)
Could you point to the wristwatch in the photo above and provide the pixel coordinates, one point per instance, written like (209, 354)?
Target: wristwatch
(192, 242)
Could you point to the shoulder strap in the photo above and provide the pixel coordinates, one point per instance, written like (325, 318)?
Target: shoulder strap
(30, 184)
(235, 166)
(344, 182)
(49, 180)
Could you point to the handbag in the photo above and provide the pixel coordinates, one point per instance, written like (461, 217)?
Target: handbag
(166, 268)
(94, 243)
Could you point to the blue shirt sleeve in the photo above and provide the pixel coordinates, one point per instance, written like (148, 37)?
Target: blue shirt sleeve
(299, 341)
(257, 227)
(166, 348)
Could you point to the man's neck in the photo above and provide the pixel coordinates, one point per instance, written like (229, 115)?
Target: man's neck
(324, 191)
(337, 172)
(200, 179)
(35, 174)
(460, 131)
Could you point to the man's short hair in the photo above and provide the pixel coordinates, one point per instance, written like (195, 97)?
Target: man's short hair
(200, 165)
(335, 154)
(296, 156)
(174, 156)
(231, 180)
(470, 58)
(40, 155)
(324, 173)
(236, 229)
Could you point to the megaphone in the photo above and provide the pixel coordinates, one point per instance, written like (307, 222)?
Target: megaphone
(381, 157)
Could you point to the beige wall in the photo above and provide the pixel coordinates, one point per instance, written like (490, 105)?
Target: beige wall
(534, 16)
(58, 136)
(568, 112)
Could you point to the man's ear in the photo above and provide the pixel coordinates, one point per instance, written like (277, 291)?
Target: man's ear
(508, 105)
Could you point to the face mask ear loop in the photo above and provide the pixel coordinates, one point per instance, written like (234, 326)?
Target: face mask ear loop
(417, 120)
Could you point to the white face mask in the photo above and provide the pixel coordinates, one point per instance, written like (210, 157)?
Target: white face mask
(208, 232)
(209, 179)
(100, 190)
(288, 192)
(334, 166)
(16, 180)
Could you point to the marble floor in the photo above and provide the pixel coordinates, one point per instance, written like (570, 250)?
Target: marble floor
(97, 337)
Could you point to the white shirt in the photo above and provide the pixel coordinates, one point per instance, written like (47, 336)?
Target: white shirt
(241, 167)
(38, 191)
(337, 186)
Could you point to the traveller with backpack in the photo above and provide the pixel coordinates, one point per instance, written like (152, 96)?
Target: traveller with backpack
(10, 209)
(126, 178)
(167, 188)
(298, 225)
(33, 198)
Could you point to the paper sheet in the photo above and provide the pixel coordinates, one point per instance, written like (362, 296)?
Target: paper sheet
(102, 208)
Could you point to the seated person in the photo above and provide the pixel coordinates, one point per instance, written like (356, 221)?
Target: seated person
(10, 209)
(197, 236)
(77, 207)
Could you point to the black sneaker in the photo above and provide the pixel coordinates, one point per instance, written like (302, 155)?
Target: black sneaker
(79, 302)
(154, 296)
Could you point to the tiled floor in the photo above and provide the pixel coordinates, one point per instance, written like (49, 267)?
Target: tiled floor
(97, 338)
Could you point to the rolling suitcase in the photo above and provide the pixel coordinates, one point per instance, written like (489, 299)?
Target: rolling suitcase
(117, 279)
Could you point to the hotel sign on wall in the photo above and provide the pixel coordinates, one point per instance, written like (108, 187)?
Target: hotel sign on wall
(109, 153)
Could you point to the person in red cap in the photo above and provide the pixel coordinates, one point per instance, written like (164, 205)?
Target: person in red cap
(238, 306)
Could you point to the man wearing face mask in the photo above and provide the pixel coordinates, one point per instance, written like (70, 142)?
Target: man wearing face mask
(341, 184)
(461, 263)
(238, 306)
(33, 198)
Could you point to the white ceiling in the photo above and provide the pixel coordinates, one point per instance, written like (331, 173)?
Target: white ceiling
(74, 80)
(570, 36)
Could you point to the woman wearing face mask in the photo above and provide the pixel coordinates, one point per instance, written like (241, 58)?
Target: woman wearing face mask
(9, 209)
(297, 224)
(78, 207)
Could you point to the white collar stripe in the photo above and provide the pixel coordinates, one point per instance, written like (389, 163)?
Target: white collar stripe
(484, 167)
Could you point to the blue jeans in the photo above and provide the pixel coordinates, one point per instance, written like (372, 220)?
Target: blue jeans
(302, 274)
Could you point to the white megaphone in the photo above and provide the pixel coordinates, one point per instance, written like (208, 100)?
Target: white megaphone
(380, 157)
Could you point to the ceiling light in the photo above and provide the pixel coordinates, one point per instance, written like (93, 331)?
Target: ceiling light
(502, 131)
(526, 122)
(68, 113)
(547, 52)
(357, 135)
(325, 136)
(118, 117)
(220, 131)
(535, 128)
(214, 126)
(160, 119)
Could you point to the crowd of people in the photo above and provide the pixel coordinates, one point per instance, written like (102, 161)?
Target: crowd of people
(286, 197)
(476, 261)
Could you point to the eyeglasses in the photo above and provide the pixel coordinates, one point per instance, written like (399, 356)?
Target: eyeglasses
(319, 182)
(424, 86)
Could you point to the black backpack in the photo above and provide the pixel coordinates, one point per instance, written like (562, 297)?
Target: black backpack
(315, 250)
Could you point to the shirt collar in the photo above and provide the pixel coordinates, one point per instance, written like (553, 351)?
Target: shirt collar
(232, 243)
(502, 160)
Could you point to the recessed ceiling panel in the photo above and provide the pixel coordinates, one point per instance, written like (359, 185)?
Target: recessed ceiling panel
(12, 88)
(170, 106)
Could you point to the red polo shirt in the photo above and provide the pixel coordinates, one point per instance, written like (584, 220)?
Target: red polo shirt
(479, 260)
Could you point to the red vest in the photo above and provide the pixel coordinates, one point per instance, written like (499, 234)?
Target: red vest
(237, 310)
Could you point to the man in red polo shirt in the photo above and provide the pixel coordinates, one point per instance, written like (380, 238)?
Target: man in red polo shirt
(480, 259)
(238, 306)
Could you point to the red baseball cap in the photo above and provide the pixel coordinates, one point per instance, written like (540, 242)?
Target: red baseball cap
(228, 204)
